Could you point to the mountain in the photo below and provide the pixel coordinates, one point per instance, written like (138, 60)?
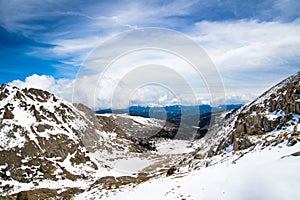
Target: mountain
(278, 109)
(252, 152)
(272, 120)
(41, 140)
(135, 125)
(249, 153)
(52, 149)
(48, 142)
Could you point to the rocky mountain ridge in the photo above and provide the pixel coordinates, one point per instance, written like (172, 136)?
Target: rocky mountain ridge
(276, 109)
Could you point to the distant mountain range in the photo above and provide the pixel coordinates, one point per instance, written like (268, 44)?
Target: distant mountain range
(185, 118)
(169, 112)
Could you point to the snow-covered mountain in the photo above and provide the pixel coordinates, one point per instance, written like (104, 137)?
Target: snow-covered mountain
(40, 141)
(250, 153)
(277, 110)
(47, 142)
(50, 148)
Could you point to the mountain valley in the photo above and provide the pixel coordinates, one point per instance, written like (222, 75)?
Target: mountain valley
(53, 149)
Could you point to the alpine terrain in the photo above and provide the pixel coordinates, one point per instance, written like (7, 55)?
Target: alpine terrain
(53, 149)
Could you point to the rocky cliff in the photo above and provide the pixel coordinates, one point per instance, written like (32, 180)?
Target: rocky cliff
(271, 119)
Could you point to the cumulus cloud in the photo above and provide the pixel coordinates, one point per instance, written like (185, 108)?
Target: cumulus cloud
(35, 81)
(61, 87)
(250, 55)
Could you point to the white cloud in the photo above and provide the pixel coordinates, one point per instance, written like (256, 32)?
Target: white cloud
(35, 81)
(153, 95)
(251, 55)
(286, 9)
(75, 46)
(136, 14)
(61, 87)
(101, 96)
(250, 43)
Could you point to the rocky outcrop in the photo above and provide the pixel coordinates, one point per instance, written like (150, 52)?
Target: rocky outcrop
(276, 109)
(272, 110)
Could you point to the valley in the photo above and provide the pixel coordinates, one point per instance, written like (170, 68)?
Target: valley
(53, 149)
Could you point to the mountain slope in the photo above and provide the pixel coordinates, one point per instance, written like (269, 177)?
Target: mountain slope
(253, 154)
(265, 174)
(40, 140)
(48, 142)
(277, 110)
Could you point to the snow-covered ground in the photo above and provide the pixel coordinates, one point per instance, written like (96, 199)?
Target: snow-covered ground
(167, 146)
(131, 165)
(261, 174)
(125, 163)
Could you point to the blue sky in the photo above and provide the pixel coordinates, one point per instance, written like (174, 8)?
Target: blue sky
(254, 44)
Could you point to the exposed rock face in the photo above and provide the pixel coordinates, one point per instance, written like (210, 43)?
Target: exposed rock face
(171, 170)
(277, 109)
(41, 138)
(274, 109)
(123, 136)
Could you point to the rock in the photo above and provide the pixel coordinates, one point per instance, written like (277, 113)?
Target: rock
(8, 114)
(35, 113)
(171, 171)
(296, 153)
(124, 180)
(291, 142)
(40, 128)
(241, 143)
(287, 118)
(269, 125)
(105, 182)
(297, 107)
(23, 195)
(3, 92)
(28, 155)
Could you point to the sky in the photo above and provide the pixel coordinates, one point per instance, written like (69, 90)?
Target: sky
(45, 44)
